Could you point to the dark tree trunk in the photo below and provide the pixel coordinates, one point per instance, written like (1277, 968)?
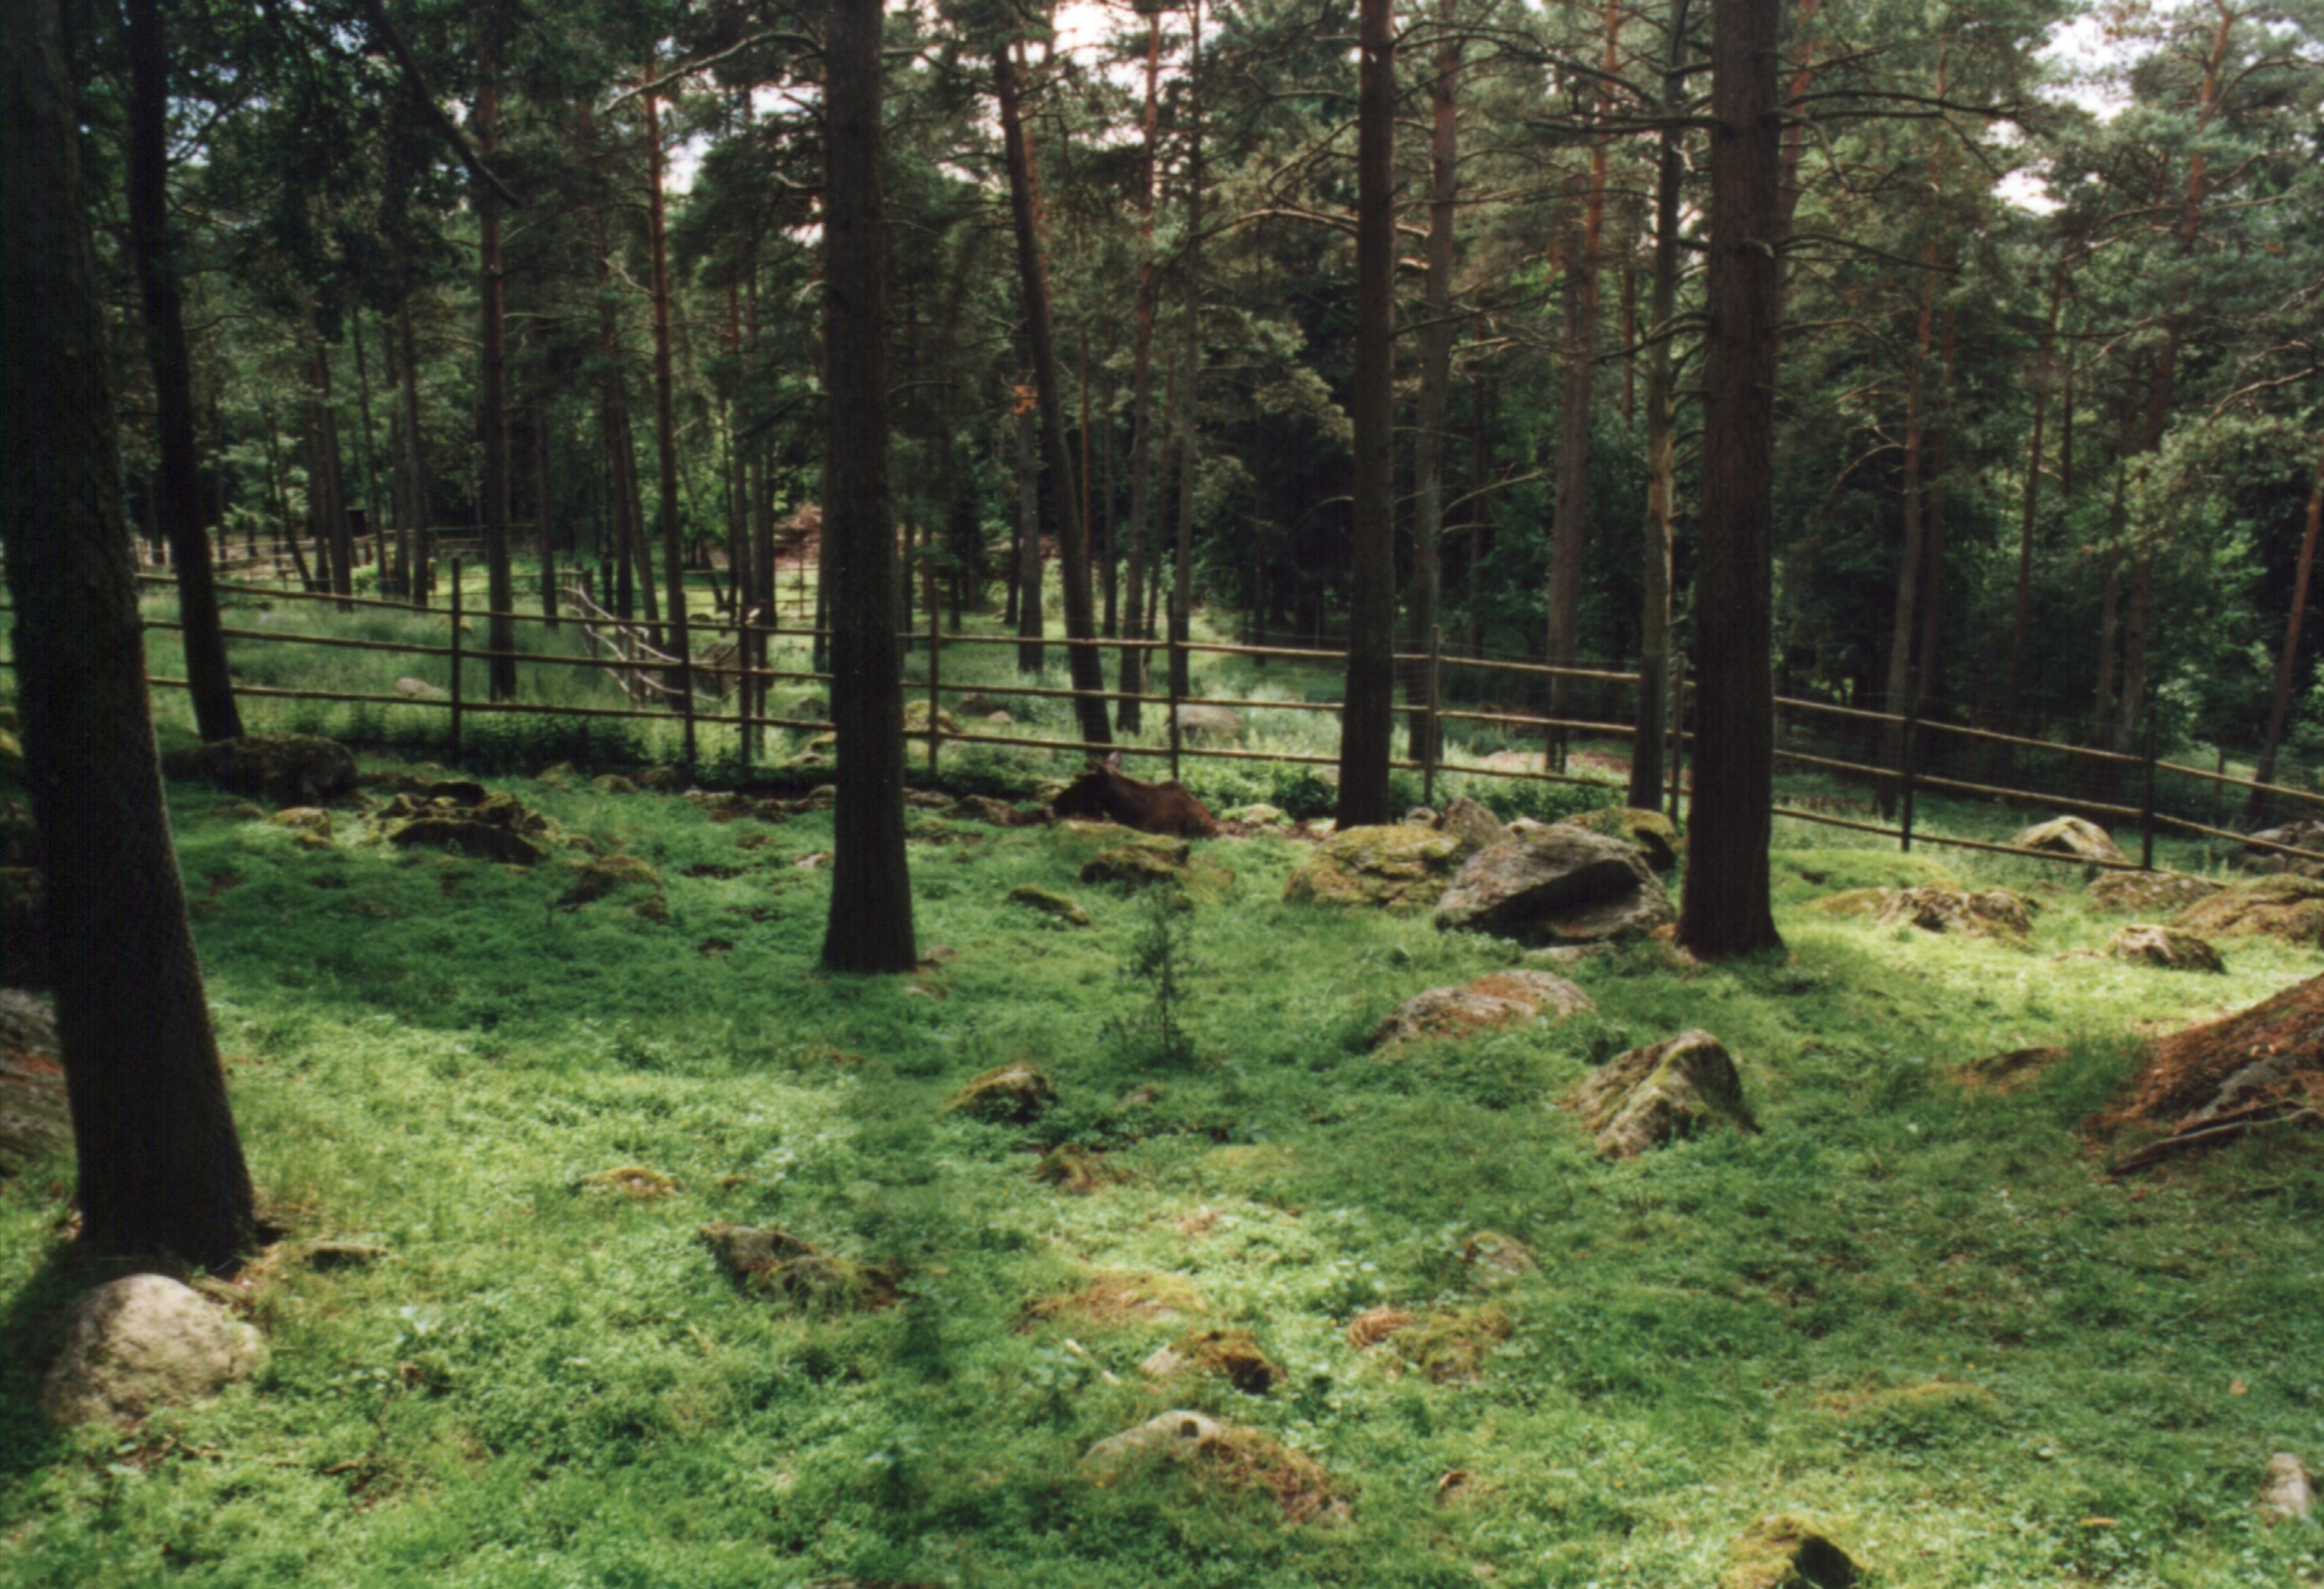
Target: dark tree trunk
(1661, 438)
(870, 928)
(374, 511)
(2022, 608)
(1182, 563)
(1141, 400)
(147, 177)
(492, 372)
(415, 548)
(1025, 565)
(665, 416)
(544, 509)
(1424, 735)
(2280, 702)
(160, 1169)
(1725, 907)
(1912, 561)
(1367, 719)
(1082, 663)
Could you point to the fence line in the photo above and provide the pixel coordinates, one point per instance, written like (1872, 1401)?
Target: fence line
(1898, 781)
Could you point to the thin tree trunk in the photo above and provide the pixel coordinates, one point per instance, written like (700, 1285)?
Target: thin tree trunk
(154, 245)
(375, 511)
(1025, 570)
(2021, 609)
(545, 510)
(1933, 578)
(1661, 438)
(1141, 395)
(869, 928)
(1082, 663)
(680, 641)
(1182, 565)
(492, 372)
(415, 544)
(1905, 623)
(1424, 735)
(1367, 716)
(2280, 702)
(1725, 907)
(160, 1167)
(326, 485)
(1109, 521)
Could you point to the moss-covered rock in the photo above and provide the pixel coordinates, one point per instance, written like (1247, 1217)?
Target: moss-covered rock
(1138, 865)
(307, 821)
(2167, 947)
(1050, 903)
(481, 841)
(2150, 893)
(1233, 1355)
(1498, 999)
(1075, 1170)
(915, 717)
(1224, 1456)
(1655, 835)
(773, 1262)
(1010, 1094)
(1401, 869)
(603, 877)
(1785, 1553)
(289, 769)
(2285, 906)
(1994, 912)
(1653, 1094)
(1556, 884)
(2071, 835)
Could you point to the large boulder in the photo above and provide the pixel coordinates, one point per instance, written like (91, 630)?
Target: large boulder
(143, 1342)
(1993, 912)
(1654, 832)
(2165, 946)
(2285, 906)
(1210, 724)
(2150, 893)
(1556, 884)
(34, 1121)
(1472, 823)
(289, 769)
(1503, 998)
(1650, 1095)
(2071, 835)
(1401, 868)
(462, 816)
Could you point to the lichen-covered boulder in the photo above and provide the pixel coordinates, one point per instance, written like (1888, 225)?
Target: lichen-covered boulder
(2285, 906)
(2165, 946)
(1399, 868)
(1136, 865)
(1503, 998)
(1472, 823)
(2150, 893)
(1049, 902)
(1556, 884)
(1993, 912)
(35, 1123)
(463, 816)
(1785, 1552)
(309, 822)
(1650, 1095)
(289, 769)
(2298, 835)
(1011, 1094)
(1651, 831)
(142, 1342)
(915, 717)
(2071, 835)
(1229, 1454)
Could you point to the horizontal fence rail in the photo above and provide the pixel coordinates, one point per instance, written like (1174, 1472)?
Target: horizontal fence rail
(1894, 784)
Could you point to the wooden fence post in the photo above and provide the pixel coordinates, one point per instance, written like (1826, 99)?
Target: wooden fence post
(1904, 768)
(1431, 736)
(936, 676)
(2146, 800)
(456, 659)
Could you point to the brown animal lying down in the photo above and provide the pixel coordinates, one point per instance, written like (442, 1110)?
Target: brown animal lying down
(1105, 793)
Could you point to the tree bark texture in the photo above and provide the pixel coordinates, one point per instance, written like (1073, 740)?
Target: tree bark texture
(156, 246)
(1424, 735)
(1725, 907)
(492, 371)
(1141, 397)
(681, 643)
(159, 1166)
(1367, 716)
(869, 928)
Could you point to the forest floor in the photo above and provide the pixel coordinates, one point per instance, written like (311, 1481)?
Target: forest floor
(1913, 1310)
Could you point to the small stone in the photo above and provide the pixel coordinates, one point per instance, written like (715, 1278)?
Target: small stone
(304, 819)
(1168, 1434)
(420, 690)
(1012, 1095)
(143, 1342)
(915, 718)
(1258, 815)
(1137, 866)
(2150, 893)
(986, 809)
(613, 783)
(1049, 902)
(2287, 1492)
(1653, 1094)
(2071, 835)
(2167, 947)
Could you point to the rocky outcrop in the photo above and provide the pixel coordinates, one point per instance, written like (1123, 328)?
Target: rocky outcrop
(2285, 906)
(2149, 894)
(143, 1342)
(1556, 884)
(1503, 998)
(1993, 912)
(2298, 835)
(1400, 868)
(289, 769)
(1476, 827)
(1655, 834)
(2071, 835)
(2165, 946)
(460, 816)
(1651, 1095)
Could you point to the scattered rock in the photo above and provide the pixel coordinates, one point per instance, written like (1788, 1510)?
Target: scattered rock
(1655, 834)
(1498, 999)
(35, 1122)
(2071, 835)
(1994, 912)
(1494, 1258)
(1257, 815)
(1666, 1090)
(789, 1269)
(928, 799)
(1049, 902)
(2149, 894)
(143, 1342)
(1558, 883)
(598, 878)
(2213, 1084)
(2167, 947)
(2006, 1072)
(1075, 1170)
(994, 812)
(420, 690)
(1236, 1459)
(1210, 724)
(660, 780)
(1785, 1552)
(915, 717)
(1012, 1095)
(1233, 1355)
(2285, 906)
(1857, 901)
(2287, 1492)
(289, 769)
(1564, 954)
(2298, 835)
(1476, 827)
(632, 1180)
(1452, 1346)
(1121, 1296)
(1137, 865)
(306, 821)
(613, 783)
(977, 704)
(462, 816)
(1399, 869)
(1370, 1328)
(999, 719)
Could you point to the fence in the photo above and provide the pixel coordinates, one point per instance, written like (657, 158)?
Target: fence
(1896, 780)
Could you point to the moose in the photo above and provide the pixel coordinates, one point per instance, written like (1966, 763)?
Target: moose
(1105, 793)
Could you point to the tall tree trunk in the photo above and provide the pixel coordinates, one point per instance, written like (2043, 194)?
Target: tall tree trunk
(416, 546)
(1367, 716)
(1725, 907)
(1182, 562)
(2022, 608)
(870, 928)
(1424, 735)
(545, 510)
(1933, 577)
(1109, 521)
(1025, 546)
(1661, 436)
(1476, 642)
(681, 644)
(1141, 396)
(492, 371)
(156, 246)
(160, 1167)
(374, 511)
(2280, 702)
(326, 487)
(1913, 560)
(1082, 663)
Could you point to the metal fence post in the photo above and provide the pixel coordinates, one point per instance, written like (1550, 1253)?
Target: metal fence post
(455, 659)
(2146, 800)
(1432, 735)
(1905, 767)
